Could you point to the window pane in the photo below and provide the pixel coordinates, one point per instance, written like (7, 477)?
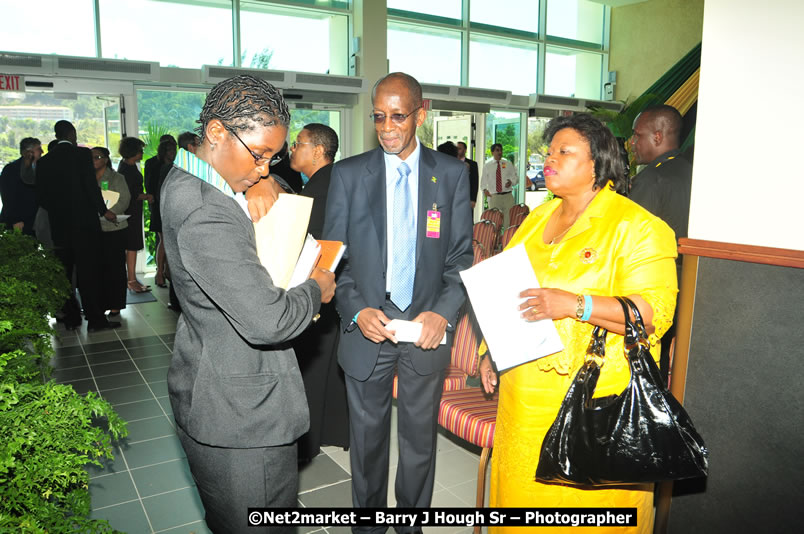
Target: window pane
(443, 8)
(408, 45)
(293, 39)
(175, 33)
(498, 64)
(49, 27)
(503, 127)
(580, 20)
(572, 73)
(514, 14)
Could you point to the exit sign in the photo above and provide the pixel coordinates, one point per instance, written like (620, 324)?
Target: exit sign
(12, 82)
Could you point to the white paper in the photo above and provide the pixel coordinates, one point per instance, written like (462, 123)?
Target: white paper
(280, 236)
(408, 331)
(120, 218)
(110, 198)
(306, 262)
(494, 286)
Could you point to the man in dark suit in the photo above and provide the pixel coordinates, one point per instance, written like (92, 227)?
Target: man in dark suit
(474, 175)
(401, 210)
(67, 188)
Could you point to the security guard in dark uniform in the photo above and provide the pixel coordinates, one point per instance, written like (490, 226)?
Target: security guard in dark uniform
(663, 186)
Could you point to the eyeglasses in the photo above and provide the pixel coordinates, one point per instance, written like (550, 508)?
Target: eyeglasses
(296, 143)
(258, 159)
(100, 156)
(396, 118)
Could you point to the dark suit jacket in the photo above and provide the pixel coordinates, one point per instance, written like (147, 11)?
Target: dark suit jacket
(474, 179)
(317, 188)
(356, 215)
(67, 188)
(233, 380)
(19, 198)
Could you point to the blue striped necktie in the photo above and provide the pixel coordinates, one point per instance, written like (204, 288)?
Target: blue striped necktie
(404, 268)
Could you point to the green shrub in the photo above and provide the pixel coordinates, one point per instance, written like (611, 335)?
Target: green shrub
(32, 286)
(48, 432)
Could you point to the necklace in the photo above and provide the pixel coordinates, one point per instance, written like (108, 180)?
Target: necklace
(553, 241)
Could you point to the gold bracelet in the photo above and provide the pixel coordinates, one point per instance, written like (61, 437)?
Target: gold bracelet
(579, 310)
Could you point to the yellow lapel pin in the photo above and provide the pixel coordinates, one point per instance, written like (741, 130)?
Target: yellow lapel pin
(433, 179)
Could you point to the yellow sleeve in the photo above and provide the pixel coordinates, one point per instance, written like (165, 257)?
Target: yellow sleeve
(648, 269)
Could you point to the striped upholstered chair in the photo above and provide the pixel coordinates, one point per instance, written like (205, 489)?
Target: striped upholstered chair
(479, 251)
(516, 211)
(517, 219)
(494, 215)
(469, 413)
(507, 235)
(486, 233)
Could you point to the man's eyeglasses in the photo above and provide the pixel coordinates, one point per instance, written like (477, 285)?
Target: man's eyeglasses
(396, 118)
(258, 159)
(296, 143)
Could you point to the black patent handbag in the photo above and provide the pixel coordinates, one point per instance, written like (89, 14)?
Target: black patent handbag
(642, 435)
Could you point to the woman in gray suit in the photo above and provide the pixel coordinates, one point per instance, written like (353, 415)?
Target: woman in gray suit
(234, 382)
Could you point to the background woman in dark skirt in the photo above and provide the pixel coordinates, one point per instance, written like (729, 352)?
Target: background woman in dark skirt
(165, 155)
(114, 235)
(131, 152)
(313, 153)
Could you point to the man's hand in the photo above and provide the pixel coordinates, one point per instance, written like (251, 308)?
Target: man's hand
(486, 193)
(326, 281)
(261, 196)
(110, 216)
(433, 328)
(473, 205)
(19, 225)
(371, 323)
(487, 375)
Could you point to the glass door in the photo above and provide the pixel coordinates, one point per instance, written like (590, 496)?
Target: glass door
(112, 122)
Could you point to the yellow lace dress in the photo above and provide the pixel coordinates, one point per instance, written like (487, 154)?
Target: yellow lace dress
(614, 248)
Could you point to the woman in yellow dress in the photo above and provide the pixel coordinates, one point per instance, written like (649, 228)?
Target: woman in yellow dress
(586, 246)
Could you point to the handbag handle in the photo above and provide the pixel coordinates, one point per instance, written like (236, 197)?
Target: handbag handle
(635, 331)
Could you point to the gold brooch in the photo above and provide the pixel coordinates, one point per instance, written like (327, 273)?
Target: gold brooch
(433, 179)
(588, 255)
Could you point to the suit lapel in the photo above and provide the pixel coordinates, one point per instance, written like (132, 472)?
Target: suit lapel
(428, 187)
(374, 182)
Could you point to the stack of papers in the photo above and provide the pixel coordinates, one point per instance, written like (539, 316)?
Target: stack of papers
(494, 286)
(284, 247)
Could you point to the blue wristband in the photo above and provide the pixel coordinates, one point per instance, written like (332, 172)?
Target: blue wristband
(587, 308)
(354, 319)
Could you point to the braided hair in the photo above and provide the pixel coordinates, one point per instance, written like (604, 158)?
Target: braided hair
(242, 101)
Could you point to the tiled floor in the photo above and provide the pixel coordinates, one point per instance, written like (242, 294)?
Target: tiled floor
(147, 488)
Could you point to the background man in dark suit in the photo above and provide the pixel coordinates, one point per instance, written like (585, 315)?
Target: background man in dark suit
(474, 176)
(401, 210)
(67, 189)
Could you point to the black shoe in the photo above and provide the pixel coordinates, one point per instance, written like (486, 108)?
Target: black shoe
(72, 326)
(174, 307)
(106, 325)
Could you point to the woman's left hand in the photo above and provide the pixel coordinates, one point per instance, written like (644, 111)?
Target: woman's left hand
(261, 196)
(546, 303)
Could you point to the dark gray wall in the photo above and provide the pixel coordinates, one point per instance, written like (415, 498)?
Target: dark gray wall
(745, 394)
